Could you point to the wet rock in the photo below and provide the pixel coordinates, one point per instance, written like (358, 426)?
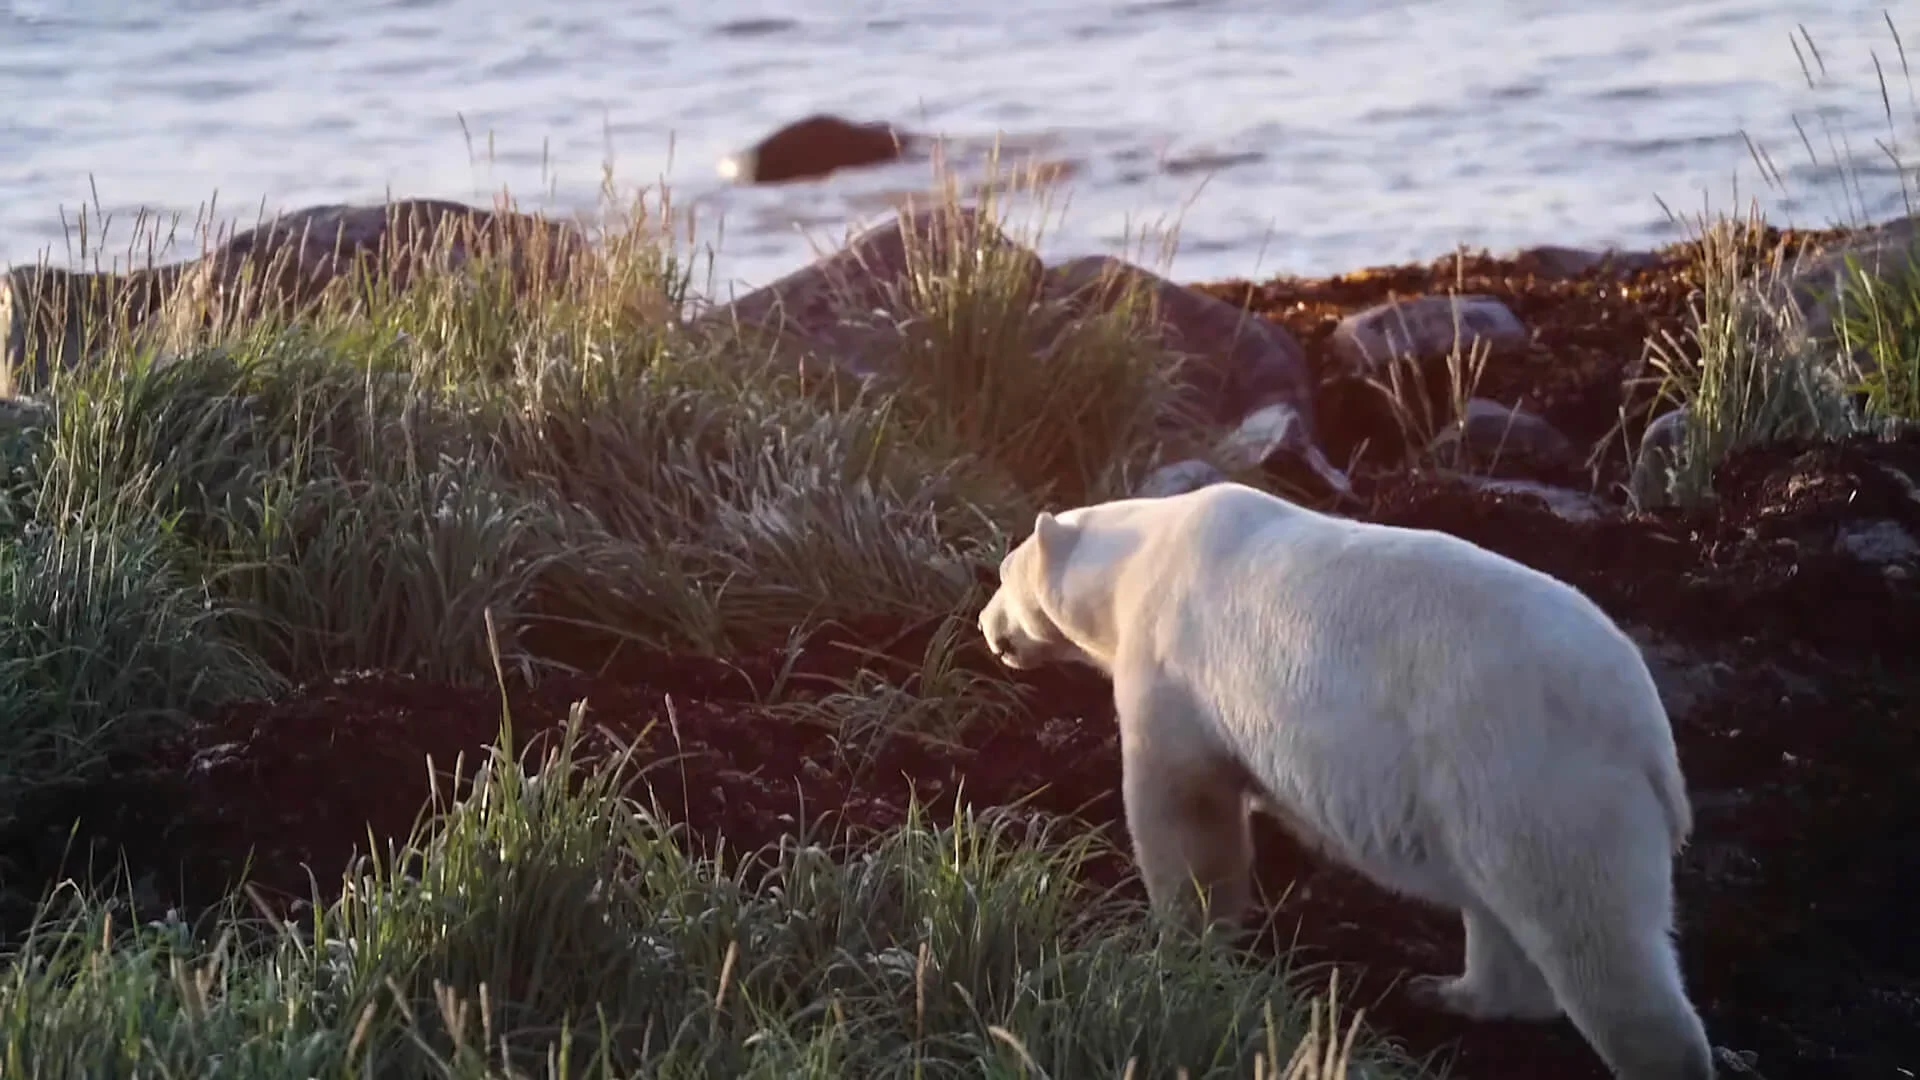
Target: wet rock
(1491, 432)
(843, 314)
(53, 318)
(1656, 458)
(289, 262)
(814, 147)
(1233, 363)
(1423, 328)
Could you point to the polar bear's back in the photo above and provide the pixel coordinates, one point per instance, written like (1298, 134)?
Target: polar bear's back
(1421, 641)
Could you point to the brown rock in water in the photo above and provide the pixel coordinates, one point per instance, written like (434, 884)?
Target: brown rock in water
(291, 261)
(52, 318)
(846, 308)
(814, 147)
(1424, 328)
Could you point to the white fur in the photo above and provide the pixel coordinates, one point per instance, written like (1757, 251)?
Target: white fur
(1458, 727)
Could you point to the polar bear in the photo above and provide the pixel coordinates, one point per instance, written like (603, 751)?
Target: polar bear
(1456, 726)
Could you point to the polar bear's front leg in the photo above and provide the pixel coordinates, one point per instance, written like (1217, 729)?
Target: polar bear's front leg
(1186, 806)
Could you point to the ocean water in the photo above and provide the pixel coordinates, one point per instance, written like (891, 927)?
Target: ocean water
(1285, 136)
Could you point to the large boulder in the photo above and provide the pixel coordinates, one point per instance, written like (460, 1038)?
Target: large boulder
(291, 262)
(1232, 363)
(816, 146)
(845, 312)
(1237, 372)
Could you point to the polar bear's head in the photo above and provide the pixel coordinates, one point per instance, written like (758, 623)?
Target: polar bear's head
(1018, 622)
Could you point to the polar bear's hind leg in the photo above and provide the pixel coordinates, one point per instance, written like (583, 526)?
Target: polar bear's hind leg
(1499, 982)
(1591, 903)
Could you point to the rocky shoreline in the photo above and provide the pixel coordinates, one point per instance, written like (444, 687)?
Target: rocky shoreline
(1781, 620)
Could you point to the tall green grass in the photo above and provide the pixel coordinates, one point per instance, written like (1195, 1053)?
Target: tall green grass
(1808, 342)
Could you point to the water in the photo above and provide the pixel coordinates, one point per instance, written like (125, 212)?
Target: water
(1303, 136)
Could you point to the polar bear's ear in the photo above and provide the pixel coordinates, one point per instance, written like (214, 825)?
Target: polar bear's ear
(1051, 536)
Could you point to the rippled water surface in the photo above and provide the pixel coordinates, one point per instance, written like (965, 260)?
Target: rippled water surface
(1282, 136)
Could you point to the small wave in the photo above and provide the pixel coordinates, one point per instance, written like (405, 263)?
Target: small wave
(759, 27)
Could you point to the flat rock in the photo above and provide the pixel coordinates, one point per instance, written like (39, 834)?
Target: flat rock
(816, 146)
(1423, 328)
(1232, 363)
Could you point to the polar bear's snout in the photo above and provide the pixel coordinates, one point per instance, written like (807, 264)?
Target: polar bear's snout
(1020, 640)
(1002, 634)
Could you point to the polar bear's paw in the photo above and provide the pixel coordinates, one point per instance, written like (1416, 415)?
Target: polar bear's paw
(1482, 1000)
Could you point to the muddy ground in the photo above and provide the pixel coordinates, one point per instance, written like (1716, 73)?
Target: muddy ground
(1796, 701)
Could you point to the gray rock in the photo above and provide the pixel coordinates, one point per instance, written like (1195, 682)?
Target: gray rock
(1813, 277)
(1495, 433)
(1423, 328)
(1881, 541)
(1657, 456)
(1267, 436)
(1274, 432)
